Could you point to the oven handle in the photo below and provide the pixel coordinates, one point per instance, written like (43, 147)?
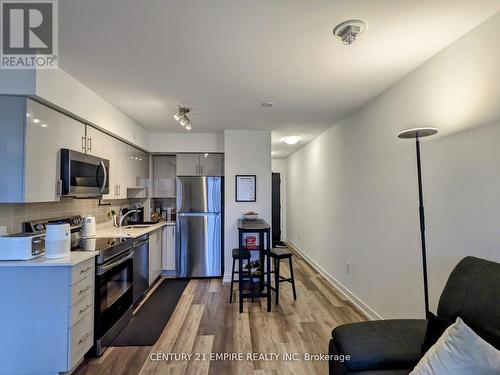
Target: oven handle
(103, 269)
(104, 182)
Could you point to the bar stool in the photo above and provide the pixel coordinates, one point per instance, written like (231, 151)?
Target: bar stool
(239, 255)
(278, 254)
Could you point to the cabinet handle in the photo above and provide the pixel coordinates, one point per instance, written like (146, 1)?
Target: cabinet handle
(84, 338)
(89, 144)
(85, 289)
(201, 169)
(83, 144)
(137, 181)
(84, 309)
(85, 270)
(59, 188)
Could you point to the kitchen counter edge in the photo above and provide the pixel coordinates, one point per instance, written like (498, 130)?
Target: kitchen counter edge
(75, 257)
(123, 232)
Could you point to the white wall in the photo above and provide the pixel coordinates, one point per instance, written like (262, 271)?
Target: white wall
(352, 194)
(246, 152)
(186, 142)
(17, 82)
(280, 166)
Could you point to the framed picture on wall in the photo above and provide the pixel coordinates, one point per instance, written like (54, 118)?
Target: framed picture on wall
(246, 186)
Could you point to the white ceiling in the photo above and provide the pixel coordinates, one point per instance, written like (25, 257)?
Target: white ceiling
(224, 57)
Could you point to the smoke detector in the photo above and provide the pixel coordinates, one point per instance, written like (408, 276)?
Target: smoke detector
(348, 31)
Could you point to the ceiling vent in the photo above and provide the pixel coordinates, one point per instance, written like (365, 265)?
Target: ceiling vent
(348, 31)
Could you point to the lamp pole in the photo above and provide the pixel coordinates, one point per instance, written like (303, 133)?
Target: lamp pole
(418, 133)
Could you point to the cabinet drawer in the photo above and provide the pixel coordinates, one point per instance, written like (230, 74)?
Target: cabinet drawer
(82, 308)
(82, 270)
(80, 339)
(82, 289)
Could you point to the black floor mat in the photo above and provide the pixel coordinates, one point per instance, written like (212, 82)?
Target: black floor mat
(148, 323)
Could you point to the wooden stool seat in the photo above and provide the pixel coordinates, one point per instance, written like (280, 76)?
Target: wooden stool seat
(238, 256)
(241, 253)
(279, 253)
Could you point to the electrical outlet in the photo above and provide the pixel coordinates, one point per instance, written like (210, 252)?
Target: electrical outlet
(348, 267)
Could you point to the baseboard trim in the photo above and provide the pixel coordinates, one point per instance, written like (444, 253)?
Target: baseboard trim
(362, 307)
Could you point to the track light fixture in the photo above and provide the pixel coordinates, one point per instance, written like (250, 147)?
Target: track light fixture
(182, 118)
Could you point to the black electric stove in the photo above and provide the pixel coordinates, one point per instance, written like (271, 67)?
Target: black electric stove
(114, 278)
(108, 247)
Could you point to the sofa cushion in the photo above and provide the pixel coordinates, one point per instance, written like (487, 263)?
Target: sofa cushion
(435, 329)
(381, 344)
(459, 351)
(471, 293)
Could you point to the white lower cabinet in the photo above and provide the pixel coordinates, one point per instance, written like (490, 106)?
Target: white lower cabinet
(80, 339)
(155, 255)
(169, 249)
(49, 314)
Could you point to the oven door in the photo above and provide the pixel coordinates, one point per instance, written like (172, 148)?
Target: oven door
(83, 175)
(114, 292)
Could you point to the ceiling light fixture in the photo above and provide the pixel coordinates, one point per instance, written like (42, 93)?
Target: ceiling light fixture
(291, 140)
(182, 118)
(348, 31)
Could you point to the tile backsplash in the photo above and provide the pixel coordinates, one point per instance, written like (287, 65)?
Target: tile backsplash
(13, 215)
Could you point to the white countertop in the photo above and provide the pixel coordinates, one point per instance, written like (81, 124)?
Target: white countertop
(75, 257)
(111, 231)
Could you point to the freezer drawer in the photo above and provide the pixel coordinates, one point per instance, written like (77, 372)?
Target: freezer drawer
(199, 194)
(198, 250)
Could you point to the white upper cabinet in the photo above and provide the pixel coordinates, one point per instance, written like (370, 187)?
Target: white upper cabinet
(122, 169)
(164, 167)
(200, 164)
(211, 165)
(188, 164)
(31, 137)
(47, 131)
(138, 168)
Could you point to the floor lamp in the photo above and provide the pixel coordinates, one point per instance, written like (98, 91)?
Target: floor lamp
(417, 133)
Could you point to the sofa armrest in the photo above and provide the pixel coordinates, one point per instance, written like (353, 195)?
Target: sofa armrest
(378, 345)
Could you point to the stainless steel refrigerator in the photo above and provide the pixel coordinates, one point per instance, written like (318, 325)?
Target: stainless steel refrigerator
(199, 227)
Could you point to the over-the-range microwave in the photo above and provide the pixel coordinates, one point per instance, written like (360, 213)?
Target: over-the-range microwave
(83, 175)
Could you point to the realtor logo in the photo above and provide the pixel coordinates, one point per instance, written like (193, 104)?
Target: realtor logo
(29, 35)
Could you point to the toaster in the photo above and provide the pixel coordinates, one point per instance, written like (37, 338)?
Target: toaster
(22, 246)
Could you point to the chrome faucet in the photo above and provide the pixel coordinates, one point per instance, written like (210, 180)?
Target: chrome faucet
(122, 217)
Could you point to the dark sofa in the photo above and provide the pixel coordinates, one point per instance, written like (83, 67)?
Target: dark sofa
(393, 347)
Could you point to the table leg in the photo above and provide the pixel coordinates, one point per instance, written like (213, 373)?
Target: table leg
(240, 282)
(268, 265)
(261, 259)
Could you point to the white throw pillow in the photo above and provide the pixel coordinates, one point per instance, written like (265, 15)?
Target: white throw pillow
(459, 351)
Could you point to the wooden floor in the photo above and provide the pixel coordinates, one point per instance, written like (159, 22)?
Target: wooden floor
(205, 322)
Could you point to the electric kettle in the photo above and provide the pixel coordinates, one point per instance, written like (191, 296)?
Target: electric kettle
(88, 228)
